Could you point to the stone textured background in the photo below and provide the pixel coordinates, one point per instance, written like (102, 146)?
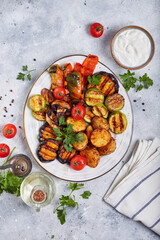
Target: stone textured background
(36, 33)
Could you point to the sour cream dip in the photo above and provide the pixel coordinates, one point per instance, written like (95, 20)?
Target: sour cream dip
(132, 47)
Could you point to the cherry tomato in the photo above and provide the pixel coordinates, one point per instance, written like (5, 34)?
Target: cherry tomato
(78, 162)
(9, 130)
(59, 92)
(96, 30)
(78, 112)
(4, 150)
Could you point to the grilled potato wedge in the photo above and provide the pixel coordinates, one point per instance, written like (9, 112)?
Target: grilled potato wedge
(109, 148)
(81, 145)
(46, 132)
(92, 156)
(64, 156)
(78, 125)
(93, 96)
(99, 122)
(118, 122)
(114, 102)
(100, 110)
(100, 137)
(48, 95)
(47, 150)
(89, 130)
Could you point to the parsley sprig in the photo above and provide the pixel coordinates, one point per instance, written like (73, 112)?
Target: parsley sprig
(129, 81)
(25, 74)
(67, 135)
(69, 201)
(95, 79)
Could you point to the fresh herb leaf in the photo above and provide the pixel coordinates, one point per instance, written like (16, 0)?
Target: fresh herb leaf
(139, 88)
(29, 76)
(146, 80)
(21, 76)
(86, 194)
(52, 236)
(61, 213)
(25, 68)
(62, 121)
(26, 74)
(75, 186)
(58, 132)
(95, 79)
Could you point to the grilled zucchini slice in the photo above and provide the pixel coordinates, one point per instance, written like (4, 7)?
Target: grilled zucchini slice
(40, 116)
(64, 156)
(81, 145)
(92, 156)
(37, 103)
(100, 137)
(109, 148)
(93, 96)
(99, 122)
(114, 102)
(78, 125)
(48, 95)
(100, 110)
(89, 130)
(46, 132)
(47, 150)
(118, 122)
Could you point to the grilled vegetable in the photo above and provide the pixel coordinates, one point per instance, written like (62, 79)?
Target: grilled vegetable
(67, 68)
(40, 116)
(100, 122)
(92, 156)
(37, 103)
(64, 156)
(61, 108)
(100, 137)
(89, 130)
(81, 145)
(46, 132)
(89, 65)
(118, 122)
(47, 94)
(109, 148)
(108, 84)
(114, 102)
(78, 67)
(47, 150)
(75, 85)
(100, 110)
(52, 119)
(57, 76)
(94, 96)
(89, 115)
(78, 125)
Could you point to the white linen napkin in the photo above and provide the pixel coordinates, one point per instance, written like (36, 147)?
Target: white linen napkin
(135, 191)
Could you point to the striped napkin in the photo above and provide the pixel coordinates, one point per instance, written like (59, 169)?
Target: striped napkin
(135, 191)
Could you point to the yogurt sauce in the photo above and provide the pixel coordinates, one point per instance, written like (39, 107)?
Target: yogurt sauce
(132, 48)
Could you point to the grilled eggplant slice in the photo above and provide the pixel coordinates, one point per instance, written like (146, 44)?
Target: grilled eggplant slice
(100, 110)
(48, 95)
(94, 96)
(89, 115)
(78, 125)
(100, 122)
(92, 156)
(100, 137)
(81, 145)
(46, 132)
(57, 76)
(118, 122)
(37, 103)
(109, 148)
(89, 130)
(64, 156)
(47, 150)
(115, 102)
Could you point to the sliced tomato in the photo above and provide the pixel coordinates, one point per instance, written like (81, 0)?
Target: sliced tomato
(4, 150)
(78, 112)
(9, 130)
(59, 92)
(89, 65)
(78, 162)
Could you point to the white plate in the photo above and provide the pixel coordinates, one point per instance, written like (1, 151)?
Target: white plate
(64, 171)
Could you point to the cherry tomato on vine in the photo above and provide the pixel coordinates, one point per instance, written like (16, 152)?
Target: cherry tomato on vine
(4, 150)
(78, 162)
(96, 30)
(59, 92)
(9, 130)
(78, 112)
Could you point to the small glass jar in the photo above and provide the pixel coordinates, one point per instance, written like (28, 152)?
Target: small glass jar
(38, 190)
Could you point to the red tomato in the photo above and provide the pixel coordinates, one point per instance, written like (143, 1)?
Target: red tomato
(78, 112)
(96, 30)
(4, 150)
(78, 162)
(59, 92)
(9, 130)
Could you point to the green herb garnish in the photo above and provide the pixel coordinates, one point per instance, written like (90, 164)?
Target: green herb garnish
(86, 194)
(129, 81)
(95, 79)
(62, 121)
(26, 74)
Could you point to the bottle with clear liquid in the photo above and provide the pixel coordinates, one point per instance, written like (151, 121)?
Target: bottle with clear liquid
(38, 190)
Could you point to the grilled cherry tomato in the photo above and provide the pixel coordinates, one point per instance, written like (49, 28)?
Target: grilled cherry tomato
(78, 162)
(96, 30)
(9, 131)
(59, 92)
(78, 112)
(4, 150)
